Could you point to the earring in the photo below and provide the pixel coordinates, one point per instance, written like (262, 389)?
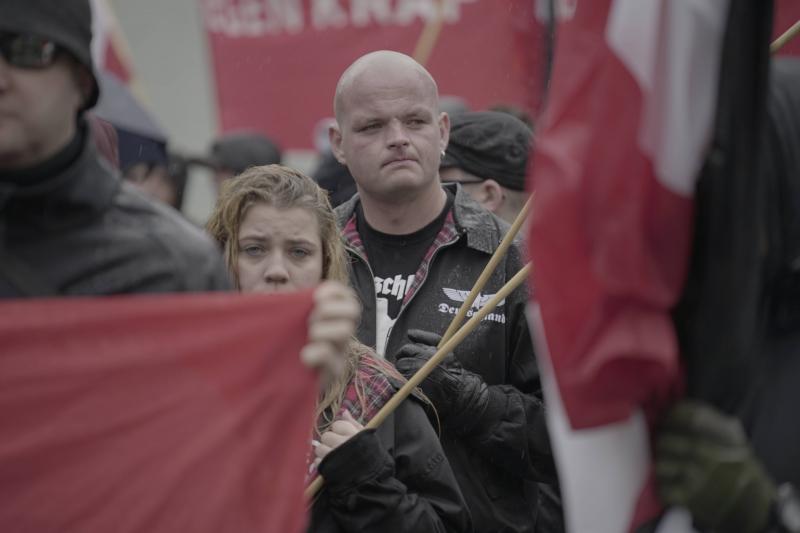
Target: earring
(443, 154)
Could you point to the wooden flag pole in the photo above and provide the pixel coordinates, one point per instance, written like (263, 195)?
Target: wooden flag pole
(434, 361)
(787, 36)
(429, 36)
(487, 271)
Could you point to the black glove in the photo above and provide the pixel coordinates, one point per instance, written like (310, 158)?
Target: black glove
(459, 396)
(704, 463)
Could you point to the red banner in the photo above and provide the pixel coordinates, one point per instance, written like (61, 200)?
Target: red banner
(276, 63)
(154, 414)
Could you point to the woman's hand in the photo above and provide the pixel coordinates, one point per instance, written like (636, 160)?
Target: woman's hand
(338, 433)
(331, 326)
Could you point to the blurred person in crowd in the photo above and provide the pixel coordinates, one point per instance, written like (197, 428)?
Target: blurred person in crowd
(279, 234)
(163, 180)
(741, 473)
(147, 165)
(452, 105)
(416, 248)
(515, 112)
(233, 153)
(335, 178)
(488, 155)
(68, 225)
(329, 174)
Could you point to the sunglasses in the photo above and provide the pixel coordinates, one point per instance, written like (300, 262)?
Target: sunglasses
(27, 51)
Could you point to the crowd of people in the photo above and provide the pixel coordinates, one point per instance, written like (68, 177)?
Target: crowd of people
(413, 203)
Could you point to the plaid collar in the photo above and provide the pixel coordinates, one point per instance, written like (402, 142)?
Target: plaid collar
(446, 235)
(365, 395)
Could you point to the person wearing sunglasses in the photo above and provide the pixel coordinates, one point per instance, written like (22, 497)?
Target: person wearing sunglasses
(69, 226)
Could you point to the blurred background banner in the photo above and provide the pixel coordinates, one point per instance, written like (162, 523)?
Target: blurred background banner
(276, 63)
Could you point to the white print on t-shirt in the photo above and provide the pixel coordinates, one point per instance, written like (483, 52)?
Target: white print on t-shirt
(386, 288)
(397, 286)
(383, 326)
(481, 300)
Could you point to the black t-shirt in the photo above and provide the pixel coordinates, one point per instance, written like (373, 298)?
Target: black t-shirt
(394, 259)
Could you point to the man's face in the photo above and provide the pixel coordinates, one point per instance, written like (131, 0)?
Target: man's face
(390, 135)
(38, 107)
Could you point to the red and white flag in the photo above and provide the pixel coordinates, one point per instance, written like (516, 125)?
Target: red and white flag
(154, 414)
(109, 48)
(625, 134)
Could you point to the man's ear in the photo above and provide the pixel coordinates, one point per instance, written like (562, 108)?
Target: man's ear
(492, 195)
(335, 138)
(444, 130)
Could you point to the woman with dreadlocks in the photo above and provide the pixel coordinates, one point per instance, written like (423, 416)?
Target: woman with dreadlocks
(279, 234)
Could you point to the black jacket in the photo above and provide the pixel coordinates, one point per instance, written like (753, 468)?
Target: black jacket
(500, 464)
(769, 410)
(82, 231)
(395, 479)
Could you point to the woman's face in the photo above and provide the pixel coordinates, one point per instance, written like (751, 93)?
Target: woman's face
(279, 250)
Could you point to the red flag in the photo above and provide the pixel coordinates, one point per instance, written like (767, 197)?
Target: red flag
(109, 47)
(629, 119)
(154, 414)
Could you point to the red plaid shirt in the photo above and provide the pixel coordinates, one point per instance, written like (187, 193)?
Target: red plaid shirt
(364, 396)
(446, 235)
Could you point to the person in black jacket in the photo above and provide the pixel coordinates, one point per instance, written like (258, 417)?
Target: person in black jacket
(279, 234)
(740, 472)
(416, 249)
(68, 225)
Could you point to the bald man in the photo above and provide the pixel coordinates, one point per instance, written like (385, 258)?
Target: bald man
(417, 248)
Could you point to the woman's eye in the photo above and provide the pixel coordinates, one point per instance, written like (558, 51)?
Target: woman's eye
(253, 251)
(300, 253)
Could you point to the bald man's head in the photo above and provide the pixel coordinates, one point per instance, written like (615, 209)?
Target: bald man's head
(389, 130)
(383, 65)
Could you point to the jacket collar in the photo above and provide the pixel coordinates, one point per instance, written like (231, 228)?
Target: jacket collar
(77, 193)
(482, 229)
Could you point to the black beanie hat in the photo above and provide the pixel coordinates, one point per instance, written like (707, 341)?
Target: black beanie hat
(68, 23)
(489, 145)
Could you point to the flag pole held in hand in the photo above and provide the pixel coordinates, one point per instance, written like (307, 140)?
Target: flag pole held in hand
(437, 358)
(490, 267)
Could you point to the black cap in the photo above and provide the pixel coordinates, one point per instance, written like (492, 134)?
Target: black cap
(68, 23)
(239, 151)
(489, 145)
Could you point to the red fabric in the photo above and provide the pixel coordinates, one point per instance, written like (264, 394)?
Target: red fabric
(154, 414)
(609, 243)
(787, 12)
(115, 64)
(105, 138)
(281, 79)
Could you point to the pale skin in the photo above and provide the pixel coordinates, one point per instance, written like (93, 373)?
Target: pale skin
(280, 250)
(505, 203)
(38, 109)
(390, 134)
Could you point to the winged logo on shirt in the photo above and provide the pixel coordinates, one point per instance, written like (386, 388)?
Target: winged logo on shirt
(460, 296)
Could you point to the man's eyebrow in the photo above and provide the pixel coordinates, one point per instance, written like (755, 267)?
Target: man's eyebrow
(361, 119)
(419, 110)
